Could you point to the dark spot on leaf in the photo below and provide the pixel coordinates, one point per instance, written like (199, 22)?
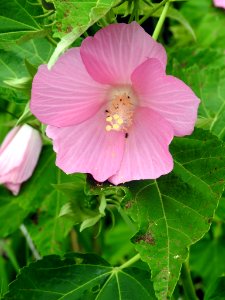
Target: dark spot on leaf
(34, 218)
(147, 238)
(128, 204)
(210, 220)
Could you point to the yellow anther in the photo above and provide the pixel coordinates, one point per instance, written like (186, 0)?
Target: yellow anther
(109, 119)
(116, 126)
(115, 117)
(108, 128)
(120, 121)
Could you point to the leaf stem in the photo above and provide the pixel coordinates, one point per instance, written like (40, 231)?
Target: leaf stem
(130, 262)
(152, 11)
(188, 286)
(29, 242)
(51, 40)
(135, 14)
(161, 21)
(103, 22)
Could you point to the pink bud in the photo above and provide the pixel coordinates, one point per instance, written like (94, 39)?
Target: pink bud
(219, 3)
(19, 154)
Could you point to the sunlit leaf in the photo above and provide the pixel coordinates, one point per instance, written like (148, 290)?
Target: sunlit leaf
(73, 18)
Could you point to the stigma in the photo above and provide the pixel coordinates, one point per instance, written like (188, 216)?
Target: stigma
(120, 109)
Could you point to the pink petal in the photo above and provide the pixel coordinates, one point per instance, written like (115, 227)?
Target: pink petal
(66, 95)
(167, 95)
(13, 187)
(116, 50)
(19, 157)
(219, 3)
(88, 148)
(146, 154)
(8, 138)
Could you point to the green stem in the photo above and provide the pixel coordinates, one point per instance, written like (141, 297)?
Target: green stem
(103, 22)
(161, 21)
(188, 286)
(130, 262)
(25, 114)
(29, 242)
(51, 40)
(134, 14)
(152, 11)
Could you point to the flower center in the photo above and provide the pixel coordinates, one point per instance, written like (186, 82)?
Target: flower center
(120, 109)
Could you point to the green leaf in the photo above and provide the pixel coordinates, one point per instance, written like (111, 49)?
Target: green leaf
(49, 231)
(77, 16)
(18, 21)
(216, 290)
(207, 258)
(176, 210)
(117, 244)
(13, 210)
(201, 15)
(79, 276)
(13, 67)
(73, 18)
(209, 85)
(204, 72)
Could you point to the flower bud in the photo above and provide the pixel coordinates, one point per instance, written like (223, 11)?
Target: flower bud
(19, 154)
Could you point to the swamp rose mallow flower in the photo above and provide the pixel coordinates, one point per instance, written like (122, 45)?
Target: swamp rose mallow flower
(219, 3)
(19, 154)
(111, 109)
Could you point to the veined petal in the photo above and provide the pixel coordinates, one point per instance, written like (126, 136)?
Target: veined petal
(13, 149)
(8, 138)
(146, 154)
(66, 94)
(167, 95)
(116, 50)
(88, 148)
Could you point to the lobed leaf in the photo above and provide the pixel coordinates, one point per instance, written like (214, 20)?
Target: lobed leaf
(175, 211)
(78, 276)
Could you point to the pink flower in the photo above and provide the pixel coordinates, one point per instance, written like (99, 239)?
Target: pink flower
(111, 109)
(19, 153)
(219, 3)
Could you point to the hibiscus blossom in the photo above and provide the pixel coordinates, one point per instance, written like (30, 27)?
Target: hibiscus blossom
(111, 109)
